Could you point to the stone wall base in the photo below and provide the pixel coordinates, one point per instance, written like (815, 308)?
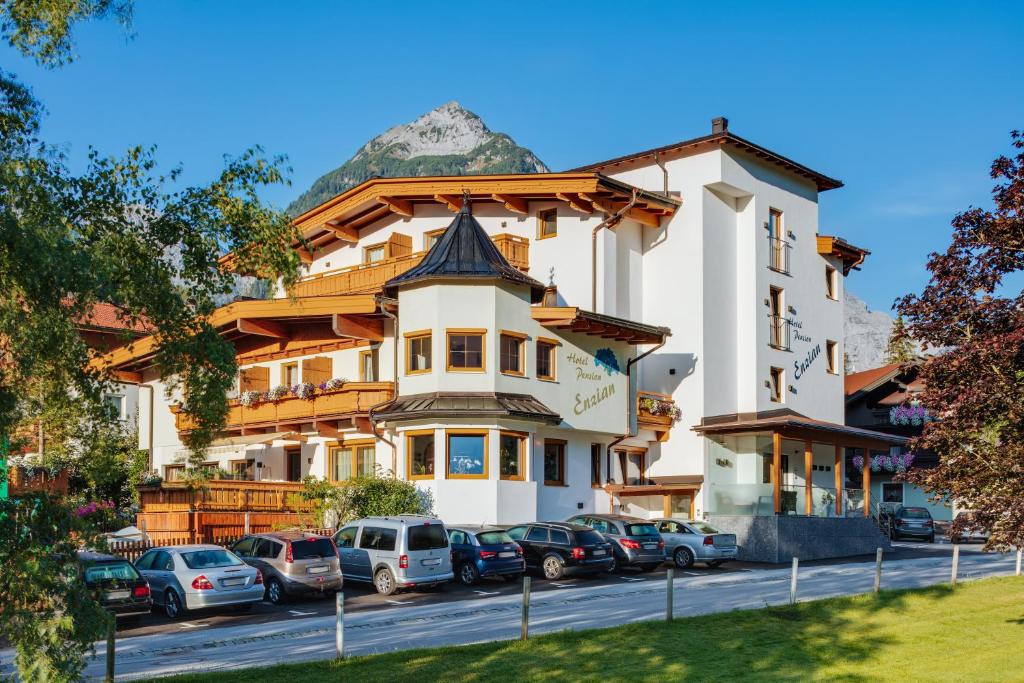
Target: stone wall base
(779, 539)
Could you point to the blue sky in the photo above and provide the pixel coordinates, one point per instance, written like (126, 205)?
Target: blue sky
(906, 104)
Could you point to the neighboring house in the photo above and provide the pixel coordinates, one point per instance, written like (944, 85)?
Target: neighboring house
(884, 399)
(658, 334)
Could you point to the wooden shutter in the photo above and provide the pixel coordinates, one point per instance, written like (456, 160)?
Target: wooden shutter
(317, 369)
(255, 379)
(398, 245)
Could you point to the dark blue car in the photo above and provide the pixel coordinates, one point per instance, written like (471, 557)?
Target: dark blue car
(484, 551)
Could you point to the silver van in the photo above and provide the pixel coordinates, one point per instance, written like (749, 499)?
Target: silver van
(404, 551)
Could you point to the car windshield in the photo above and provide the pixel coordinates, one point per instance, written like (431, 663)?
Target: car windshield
(114, 571)
(915, 513)
(493, 537)
(589, 538)
(704, 528)
(427, 537)
(209, 559)
(645, 529)
(312, 548)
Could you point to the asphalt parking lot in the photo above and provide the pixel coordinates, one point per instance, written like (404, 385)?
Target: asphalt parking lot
(361, 597)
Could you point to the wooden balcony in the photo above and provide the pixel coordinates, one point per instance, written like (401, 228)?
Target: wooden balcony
(224, 496)
(370, 277)
(20, 483)
(655, 412)
(352, 399)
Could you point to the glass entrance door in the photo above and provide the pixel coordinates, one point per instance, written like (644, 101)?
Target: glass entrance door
(680, 505)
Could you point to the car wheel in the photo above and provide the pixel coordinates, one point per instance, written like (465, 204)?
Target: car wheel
(683, 557)
(468, 574)
(275, 592)
(553, 567)
(172, 605)
(384, 582)
(614, 566)
(931, 539)
(714, 563)
(650, 567)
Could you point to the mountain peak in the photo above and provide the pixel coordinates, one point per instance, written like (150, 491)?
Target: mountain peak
(447, 140)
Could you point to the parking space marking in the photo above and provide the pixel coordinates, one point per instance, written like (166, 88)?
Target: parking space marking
(186, 624)
(631, 578)
(300, 614)
(399, 602)
(486, 593)
(562, 585)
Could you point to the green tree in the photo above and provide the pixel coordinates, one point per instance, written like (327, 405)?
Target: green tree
(901, 347)
(379, 495)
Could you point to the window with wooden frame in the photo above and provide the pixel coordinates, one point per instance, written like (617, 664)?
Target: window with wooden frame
(547, 224)
(467, 454)
(595, 465)
(174, 472)
(554, 462)
(418, 351)
(831, 283)
(289, 374)
(775, 384)
(352, 459)
(241, 469)
(374, 253)
(832, 357)
(466, 349)
(511, 452)
(546, 359)
(368, 365)
(633, 465)
(419, 454)
(431, 237)
(512, 348)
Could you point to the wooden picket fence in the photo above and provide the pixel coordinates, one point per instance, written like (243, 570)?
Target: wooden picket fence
(133, 550)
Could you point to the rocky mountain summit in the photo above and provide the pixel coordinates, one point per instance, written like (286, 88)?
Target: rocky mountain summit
(866, 333)
(449, 140)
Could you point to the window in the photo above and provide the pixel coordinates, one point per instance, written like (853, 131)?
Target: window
(546, 359)
(368, 364)
(779, 325)
(554, 463)
(560, 537)
(266, 549)
(516, 532)
(376, 538)
(146, 561)
(467, 454)
(777, 245)
(511, 446)
(632, 465)
(346, 538)
(466, 350)
(493, 537)
(290, 374)
(418, 349)
(244, 547)
(373, 254)
(831, 283)
(775, 384)
(174, 472)
(538, 534)
(547, 224)
(241, 469)
(512, 353)
(431, 237)
(595, 465)
(419, 447)
(426, 537)
(116, 403)
(312, 548)
(210, 559)
(352, 460)
(892, 493)
(456, 537)
(832, 357)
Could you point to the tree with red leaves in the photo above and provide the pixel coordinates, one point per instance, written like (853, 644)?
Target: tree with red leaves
(972, 314)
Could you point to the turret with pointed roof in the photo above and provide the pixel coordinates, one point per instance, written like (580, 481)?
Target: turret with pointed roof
(464, 251)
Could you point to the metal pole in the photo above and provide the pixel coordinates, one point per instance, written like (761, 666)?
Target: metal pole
(669, 577)
(246, 522)
(792, 582)
(878, 570)
(339, 633)
(110, 649)
(956, 563)
(524, 631)
(1019, 551)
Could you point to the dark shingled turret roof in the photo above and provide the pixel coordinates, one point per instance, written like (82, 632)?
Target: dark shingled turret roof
(464, 251)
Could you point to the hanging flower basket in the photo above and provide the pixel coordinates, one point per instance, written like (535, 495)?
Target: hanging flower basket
(332, 384)
(909, 415)
(660, 407)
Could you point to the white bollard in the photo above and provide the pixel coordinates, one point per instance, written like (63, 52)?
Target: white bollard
(878, 570)
(247, 523)
(792, 582)
(339, 635)
(956, 564)
(1019, 551)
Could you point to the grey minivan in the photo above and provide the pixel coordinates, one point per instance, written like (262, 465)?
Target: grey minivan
(635, 541)
(404, 551)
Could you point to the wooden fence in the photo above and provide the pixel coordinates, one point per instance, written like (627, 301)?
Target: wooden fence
(133, 550)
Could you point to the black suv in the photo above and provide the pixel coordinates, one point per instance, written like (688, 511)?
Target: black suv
(561, 549)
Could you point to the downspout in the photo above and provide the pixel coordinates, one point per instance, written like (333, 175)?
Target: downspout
(664, 173)
(609, 222)
(379, 433)
(630, 407)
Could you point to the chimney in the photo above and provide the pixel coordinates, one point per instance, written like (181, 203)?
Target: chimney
(719, 124)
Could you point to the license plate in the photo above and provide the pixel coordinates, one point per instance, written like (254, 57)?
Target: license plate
(318, 570)
(232, 582)
(600, 552)
(118, 595)
(432, 562)
(507, 554)
(650, 546)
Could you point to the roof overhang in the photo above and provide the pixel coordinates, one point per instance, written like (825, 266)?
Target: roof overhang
(259, 439)
(851, 256)
(341, 218)
(686, 483)
(793, 425)
(573, 319)
(449, 404)
(709, 142)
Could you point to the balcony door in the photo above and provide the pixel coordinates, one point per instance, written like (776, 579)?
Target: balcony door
(293, 457)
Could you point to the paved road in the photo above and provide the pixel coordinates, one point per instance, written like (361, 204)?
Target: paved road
(465, 616)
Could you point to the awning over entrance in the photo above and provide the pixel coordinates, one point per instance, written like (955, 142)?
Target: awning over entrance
(672, 489)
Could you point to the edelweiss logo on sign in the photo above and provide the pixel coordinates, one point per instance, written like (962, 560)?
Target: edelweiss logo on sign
(604, 359)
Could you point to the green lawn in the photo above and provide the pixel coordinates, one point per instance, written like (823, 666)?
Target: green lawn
(973, 633)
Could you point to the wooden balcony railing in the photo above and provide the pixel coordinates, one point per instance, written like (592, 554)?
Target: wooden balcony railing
(352, 398)
(370, 277)
(224, 496)
(40, 481)
(656, 412)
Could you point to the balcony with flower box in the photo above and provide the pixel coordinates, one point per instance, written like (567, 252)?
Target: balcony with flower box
(657, 412)
(279, 408)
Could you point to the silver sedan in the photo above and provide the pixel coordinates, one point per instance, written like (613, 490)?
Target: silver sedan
(188, 577)
(689, 541)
